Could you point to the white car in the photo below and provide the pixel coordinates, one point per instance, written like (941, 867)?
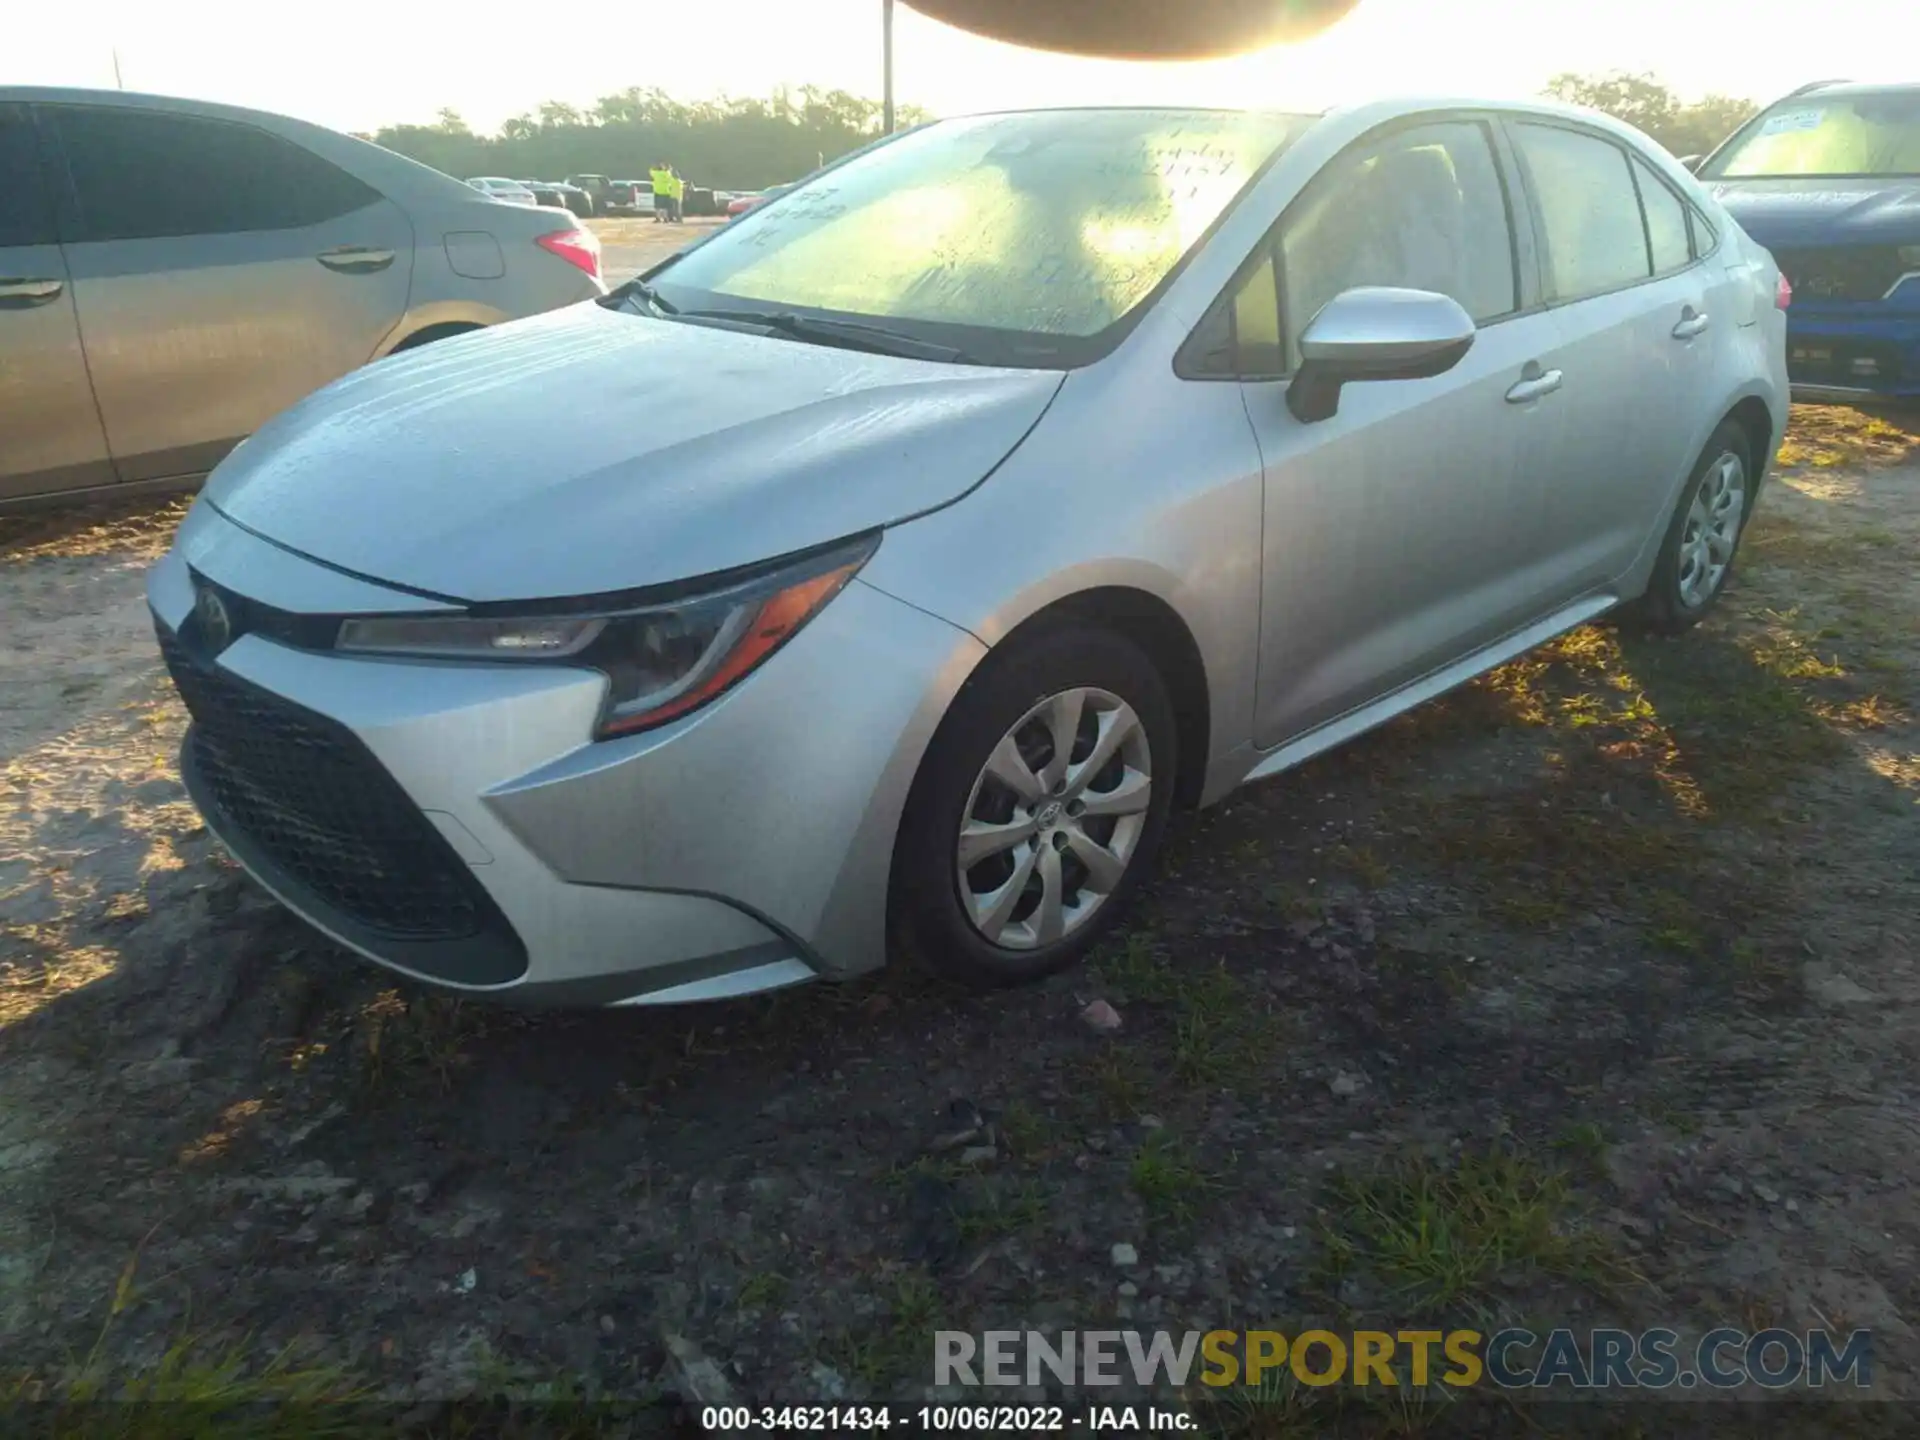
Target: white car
(511, 191)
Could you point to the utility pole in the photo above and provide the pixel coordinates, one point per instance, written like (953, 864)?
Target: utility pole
(886, 42)
(118, 82)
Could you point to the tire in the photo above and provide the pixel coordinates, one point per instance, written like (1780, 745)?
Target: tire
(431, 334)
(1674, 601)
(1018, 690)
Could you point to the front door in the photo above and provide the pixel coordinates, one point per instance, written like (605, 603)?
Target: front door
(1402, 533)
(221, 273)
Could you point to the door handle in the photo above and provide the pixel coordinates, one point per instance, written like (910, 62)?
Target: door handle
(1534, 386)
(355, 259)
(20, 293)
(1692, 323)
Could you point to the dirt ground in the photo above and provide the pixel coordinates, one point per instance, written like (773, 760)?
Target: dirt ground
(628, 246)
(1588, 993)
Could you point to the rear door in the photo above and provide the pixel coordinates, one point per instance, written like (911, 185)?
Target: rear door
(1635, 349)
(50, 435)
(220, 273)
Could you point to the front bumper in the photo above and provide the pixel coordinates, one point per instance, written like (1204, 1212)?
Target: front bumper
(1847, 351)
(743, 848)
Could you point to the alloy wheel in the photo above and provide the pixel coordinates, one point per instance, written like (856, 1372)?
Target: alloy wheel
(1712, 530)
(1054, 819)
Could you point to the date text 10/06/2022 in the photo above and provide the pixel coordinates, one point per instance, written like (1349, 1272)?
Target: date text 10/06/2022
(943, 1419)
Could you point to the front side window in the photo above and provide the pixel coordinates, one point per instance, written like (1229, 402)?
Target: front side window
(1045, 229)
(1827, 137)
(1594, 236)
(1421, 209)
(140, 175)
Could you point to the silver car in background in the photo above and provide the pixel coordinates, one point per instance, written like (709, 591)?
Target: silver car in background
(173, 274)
(513, 192)
(914, 545)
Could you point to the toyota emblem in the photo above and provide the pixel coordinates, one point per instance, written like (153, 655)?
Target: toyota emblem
(216, 622)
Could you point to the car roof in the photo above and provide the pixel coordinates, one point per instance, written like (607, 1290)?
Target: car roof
(1857, 87)
(386, 169)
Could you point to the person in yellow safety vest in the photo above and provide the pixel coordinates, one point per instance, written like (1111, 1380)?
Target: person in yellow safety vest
(679, 196)
(662, 177)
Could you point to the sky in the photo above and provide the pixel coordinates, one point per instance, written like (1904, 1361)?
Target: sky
(358, 68)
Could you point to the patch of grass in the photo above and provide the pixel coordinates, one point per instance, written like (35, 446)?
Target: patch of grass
(1110, 1083)
(1222, 1034)
(898, 1346)
(199, 1388)
(1140, 970)
(1006, 1209)
(396, 1038)
(1169, 1180)
(1584, 1144)
(1028, 1134)
(1365, 866)
(1440, 1235)
(1827, 437)
(762, 1290)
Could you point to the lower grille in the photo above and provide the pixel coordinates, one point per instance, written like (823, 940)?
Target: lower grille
(307, 798)
(1852, 272)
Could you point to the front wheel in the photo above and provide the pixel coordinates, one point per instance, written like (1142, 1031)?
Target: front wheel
(1696, 557)
(1038, 809)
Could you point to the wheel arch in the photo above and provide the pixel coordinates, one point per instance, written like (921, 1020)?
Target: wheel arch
(1152, 623)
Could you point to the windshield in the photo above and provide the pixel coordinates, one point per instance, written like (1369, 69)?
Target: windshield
(1838, 137)
(1020, 239)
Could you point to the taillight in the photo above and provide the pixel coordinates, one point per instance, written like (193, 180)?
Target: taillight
(1782, 294)
(576, 247)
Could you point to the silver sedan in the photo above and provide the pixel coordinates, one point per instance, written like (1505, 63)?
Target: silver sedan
(173, 274)
(875, 577)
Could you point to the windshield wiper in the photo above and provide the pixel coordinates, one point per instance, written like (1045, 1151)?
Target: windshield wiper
(847, 334)
(643, 292)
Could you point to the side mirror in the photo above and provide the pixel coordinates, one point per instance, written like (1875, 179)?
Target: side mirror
(1375, 333)
(1693, 163)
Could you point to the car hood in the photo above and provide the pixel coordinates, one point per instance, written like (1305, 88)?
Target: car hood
(1792, 214)
(591, 450)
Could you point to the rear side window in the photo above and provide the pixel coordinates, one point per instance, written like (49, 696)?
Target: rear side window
(1589, 211)
(1666, 221)
(23, 198)
(142, 175)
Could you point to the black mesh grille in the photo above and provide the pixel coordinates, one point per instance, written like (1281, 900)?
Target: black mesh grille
(303, 791)
(1853, 272)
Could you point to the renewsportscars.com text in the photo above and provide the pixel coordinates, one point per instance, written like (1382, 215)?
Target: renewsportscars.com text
(1596, 1359)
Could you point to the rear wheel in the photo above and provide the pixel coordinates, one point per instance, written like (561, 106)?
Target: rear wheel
(1037, 811)
(1696, 557)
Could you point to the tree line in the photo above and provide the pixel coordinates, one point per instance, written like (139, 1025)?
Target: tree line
(735, 144)
(730, 144)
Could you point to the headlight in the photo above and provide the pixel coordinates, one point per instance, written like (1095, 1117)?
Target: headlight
(662, 661)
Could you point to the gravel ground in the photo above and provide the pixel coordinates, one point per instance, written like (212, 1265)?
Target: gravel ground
(1586, 994)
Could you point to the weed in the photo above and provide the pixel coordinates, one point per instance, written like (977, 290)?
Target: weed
(1168, 1180)
(1440, 1235)
(894, 1349)
(1005, 1210)
(762, 1290)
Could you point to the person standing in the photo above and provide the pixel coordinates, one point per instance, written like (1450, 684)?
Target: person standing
(679, 196)
(662, 177)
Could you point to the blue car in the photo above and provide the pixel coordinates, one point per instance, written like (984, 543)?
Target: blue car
(1828, 179)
